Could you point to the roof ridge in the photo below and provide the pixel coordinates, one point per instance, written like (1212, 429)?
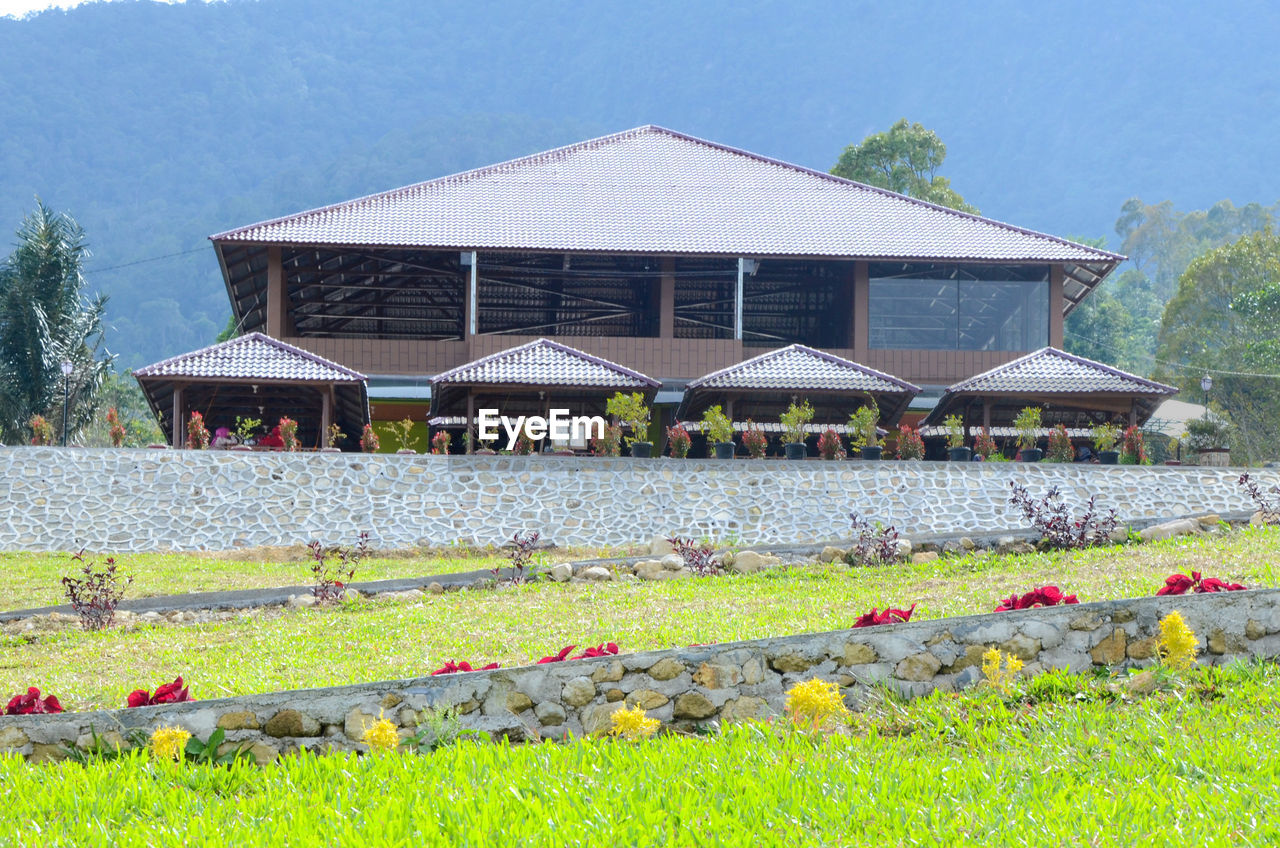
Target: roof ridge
(254, 337)
(1049, 350)
(545, 342)
(809, 351)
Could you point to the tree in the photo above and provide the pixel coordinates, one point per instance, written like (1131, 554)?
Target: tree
(906, 160)
(47, 319)
(1225, 320)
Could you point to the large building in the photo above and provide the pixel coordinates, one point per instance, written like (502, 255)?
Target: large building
(664, 253)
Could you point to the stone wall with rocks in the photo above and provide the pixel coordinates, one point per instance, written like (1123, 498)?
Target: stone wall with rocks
(138, 500)
(691, 686)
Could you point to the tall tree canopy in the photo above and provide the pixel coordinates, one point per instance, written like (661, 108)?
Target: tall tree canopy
(1225, 319)
(905, 159)
(47, 319)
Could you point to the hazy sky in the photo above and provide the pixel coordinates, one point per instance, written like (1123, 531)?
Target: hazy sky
(17, 8)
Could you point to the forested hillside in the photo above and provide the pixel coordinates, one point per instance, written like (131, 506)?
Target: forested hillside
(156, 125)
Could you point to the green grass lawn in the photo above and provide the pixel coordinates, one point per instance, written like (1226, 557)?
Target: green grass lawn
(277, 650)
(1192, 766)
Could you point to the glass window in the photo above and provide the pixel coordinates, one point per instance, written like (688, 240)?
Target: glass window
(957, 307)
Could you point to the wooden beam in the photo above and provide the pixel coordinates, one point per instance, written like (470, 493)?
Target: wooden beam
(326, 413)
(471, 418)
(667, 299)
(179, 417)
(861, 307)
(279, 321)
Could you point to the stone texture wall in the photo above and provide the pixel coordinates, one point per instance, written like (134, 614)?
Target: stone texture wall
(139, 500)
(694, 685)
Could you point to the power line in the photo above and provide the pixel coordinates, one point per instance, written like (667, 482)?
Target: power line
(148, 259)
(1181, 366)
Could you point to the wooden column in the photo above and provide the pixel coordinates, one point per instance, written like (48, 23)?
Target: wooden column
(472, 317)
(466, 426)
(1133, 414)
(667, 300)
(1055, 306)
(179, 417)
(737, 301)
(326, 414)
(986, 415)
(279, 321)
(861, 317)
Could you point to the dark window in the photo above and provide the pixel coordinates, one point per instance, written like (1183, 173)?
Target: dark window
(959, 307)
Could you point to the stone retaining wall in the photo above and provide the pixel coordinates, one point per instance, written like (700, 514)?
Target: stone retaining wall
(139, 500)
(694, 685)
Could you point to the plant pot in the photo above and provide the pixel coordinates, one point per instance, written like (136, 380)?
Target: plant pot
(872, 453)
(240, 448)
(1031, 455)
(725, 450)
(1173, 462)
(960, 454)
(486, 452)
(407, 452)
(796, 450)
(330, 450)
(642, 450)
(158, 447)
(1111, 457)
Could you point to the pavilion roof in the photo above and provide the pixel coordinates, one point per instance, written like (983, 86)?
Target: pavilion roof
(1058, 372)
(543, 362)
(800, 368)
(253, 356)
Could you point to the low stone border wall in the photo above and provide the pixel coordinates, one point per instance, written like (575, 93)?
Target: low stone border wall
(690, 686)
(139, 500)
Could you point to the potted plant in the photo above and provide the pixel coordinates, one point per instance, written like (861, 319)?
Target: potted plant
(369, 440)
(1027, 426)
(289, 433)
(634, 412)
(678, 441)
(1060, 449)
(42, 431)
(830, 445)
(910, 445)
(956, 450)
(1207, 440)
(1174, 450)
(1105, 437)
(402, 432)
(197, 433)
(332, 438)
(115, 430)
(983, 445)
(609, 443)
(440, 443)
(524, 445)
(754, 440)
(719, 430)
(794, 421)
(862, 431)
(1132, 451)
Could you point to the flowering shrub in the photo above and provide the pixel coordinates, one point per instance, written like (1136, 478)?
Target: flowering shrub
(830, 445)
(289, 433)
(169, 693)
(369, 440)
(32, 704)
(459, 667)
(632, 724)
(1045, 596)
(872, 544)
(440, 443)
(1176, 645)
(169, 743)
(1058, 529)
(520, 557)
(996, 676)
(1180, 584)
(605, 650)
(814, 703)
(524, 445)
(889, 616)
(115, 430)
(1132, 451)
(197, 433)
(983, 444)
(679, 441)
(41, 431)
(334, 436)
(696, 556)
(382, 737)
(754, 440)
(558, 657)
(330, 586)
(910, 445)
(609, 443)
(1059, 445)
(95, 595)
(1269, 509)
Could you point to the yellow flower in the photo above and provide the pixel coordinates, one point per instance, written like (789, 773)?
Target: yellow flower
(814, 702)
(1000, 678)
(168, 743)
(1177, 642)
(382, 736)
(632, 724)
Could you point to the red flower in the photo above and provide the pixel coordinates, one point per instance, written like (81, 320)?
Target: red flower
(32, 704)
(456, 667)
(1045, 596)
(1178, 584)
(560, 657)
(598, 651)
(169, 693)
(889, 616)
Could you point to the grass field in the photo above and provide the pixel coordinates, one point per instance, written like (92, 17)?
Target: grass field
(1063, 765)
(277, 650)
